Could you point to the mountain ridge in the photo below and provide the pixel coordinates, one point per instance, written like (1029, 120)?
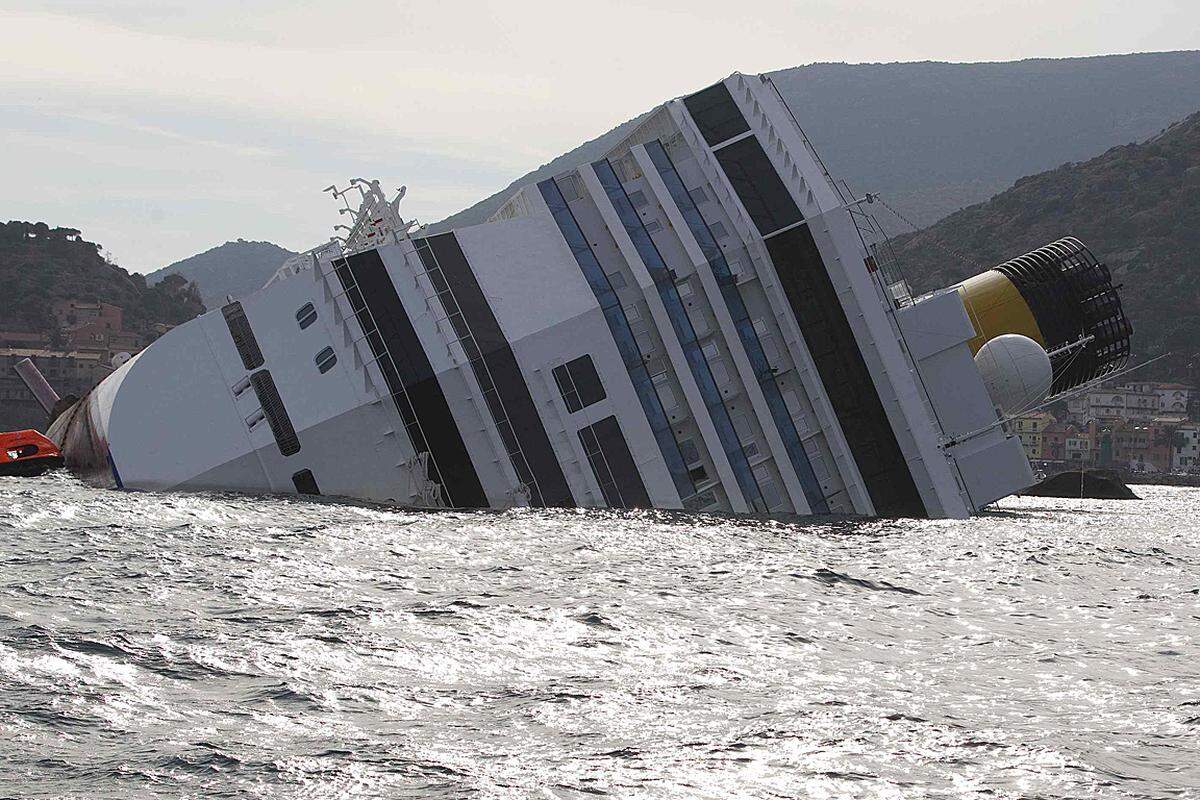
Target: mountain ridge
(936, 136)
(931, 137)
(235, 268)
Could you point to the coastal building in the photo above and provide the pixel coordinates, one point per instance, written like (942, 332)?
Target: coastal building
(1140, 400)
(1029, 429)
(94, 327)
(71, 313)
(1185, 456)
(1173, 398)
(69, 372)
(1113, 404)
(1054, 441)
(1142, 446)
(1080, 446)
(97, 337)
(27, 339)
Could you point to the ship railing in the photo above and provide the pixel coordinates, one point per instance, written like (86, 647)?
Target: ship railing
(881, 258)
(462, 335)
(430, 488)
(808, 143)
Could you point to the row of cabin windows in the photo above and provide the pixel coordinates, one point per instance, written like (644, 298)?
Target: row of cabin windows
(711, 348)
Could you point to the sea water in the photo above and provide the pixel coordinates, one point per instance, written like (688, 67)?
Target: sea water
(176, 645)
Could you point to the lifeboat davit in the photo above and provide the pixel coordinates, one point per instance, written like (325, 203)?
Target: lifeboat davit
(27, 453)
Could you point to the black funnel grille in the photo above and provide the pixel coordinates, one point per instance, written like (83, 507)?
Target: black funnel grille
(1072, 297)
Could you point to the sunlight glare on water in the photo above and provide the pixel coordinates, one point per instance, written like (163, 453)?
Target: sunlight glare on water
(223, 646)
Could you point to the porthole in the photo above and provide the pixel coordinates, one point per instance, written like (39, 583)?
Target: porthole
(325, 360)
(306, 316)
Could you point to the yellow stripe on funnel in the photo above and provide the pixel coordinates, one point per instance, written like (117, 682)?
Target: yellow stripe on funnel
(996, 307)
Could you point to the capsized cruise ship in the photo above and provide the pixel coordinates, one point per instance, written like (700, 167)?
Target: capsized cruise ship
(702, 319)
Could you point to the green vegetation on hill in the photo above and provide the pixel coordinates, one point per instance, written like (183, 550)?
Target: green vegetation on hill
(40, 264)
(234, 268)
(1136, 206)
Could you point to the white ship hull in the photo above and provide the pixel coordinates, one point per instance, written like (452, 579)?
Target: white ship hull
(693, 322)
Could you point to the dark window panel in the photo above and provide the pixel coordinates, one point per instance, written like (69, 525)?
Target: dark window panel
(305, 482)
(758, 186)
(579, 383)
(716, 114)
(613, 465)
(325, 360)
(275, 412)
(306, 316)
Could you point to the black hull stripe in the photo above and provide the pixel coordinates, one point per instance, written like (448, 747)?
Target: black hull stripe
(844, 374)
(823, 324)
(369, 288)
(509, 398)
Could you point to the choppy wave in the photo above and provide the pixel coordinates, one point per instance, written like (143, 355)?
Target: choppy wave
(165, 645)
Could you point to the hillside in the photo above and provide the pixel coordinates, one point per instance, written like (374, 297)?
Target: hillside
(1136, 206)
(588, 151)
(934, 137)
(40, 264)
(931, 137)
(235, 268)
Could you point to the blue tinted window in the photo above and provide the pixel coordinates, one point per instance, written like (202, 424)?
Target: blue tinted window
(683, 329)
(745, 327)
(618, 325)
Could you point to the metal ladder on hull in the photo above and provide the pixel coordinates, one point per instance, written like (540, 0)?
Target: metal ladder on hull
(432, 493)
(460, 334)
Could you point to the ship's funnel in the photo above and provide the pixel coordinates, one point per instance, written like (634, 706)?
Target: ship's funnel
(1061, 297)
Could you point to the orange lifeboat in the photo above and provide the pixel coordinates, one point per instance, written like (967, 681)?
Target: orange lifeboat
(27, 453)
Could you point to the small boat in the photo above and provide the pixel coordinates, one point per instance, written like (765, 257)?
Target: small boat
(27, 453)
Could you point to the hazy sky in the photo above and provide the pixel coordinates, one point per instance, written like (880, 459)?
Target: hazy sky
(164, 128)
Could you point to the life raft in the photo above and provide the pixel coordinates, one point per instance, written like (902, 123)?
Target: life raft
(27, 453)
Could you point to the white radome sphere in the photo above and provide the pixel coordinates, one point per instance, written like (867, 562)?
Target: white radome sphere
(1016, 371)
(120, 358)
